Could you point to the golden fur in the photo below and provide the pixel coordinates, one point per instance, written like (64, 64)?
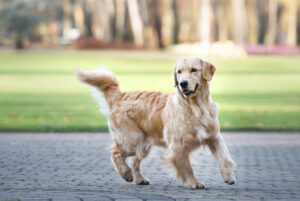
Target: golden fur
(181, 121)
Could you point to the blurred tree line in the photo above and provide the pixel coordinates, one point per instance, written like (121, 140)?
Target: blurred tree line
(150, 23)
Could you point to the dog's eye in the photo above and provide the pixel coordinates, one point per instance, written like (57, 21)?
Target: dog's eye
(193, 70)
(179, 71)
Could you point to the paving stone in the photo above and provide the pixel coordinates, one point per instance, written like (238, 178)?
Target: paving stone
(77, 166)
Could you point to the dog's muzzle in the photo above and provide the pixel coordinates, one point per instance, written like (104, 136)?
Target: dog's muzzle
(188, 92)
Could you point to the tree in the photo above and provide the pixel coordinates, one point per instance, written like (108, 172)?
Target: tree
(136, 22)
(103, 19)
(166, 16)
(239, 14)
(18, 19)
(120, 19)
(270, 36)
(184, 8)
(289, 21)
(252, 21)
(88, 18)
(67, 15)
(223, 20)
(205, 25)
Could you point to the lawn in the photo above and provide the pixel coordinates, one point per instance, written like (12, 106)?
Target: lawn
(39, 91)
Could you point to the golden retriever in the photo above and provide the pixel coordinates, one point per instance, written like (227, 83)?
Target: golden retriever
(180, 122)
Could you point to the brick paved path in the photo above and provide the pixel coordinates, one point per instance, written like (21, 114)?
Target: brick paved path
(59, 167)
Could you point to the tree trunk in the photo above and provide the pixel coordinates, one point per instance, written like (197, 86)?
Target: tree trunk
(79, 17)
(103, 19)
(205, 22)
(120, 20)
(166, 16)
(88, 19)
(239, 15)
(252, 21)
(270, 37)
(152, 24)
(19, 42)
(176, 22)
(184, 23)
(136, 22)
(67, 21)
(292, 23)
(262, 15)
(223, 19)
(298, 25)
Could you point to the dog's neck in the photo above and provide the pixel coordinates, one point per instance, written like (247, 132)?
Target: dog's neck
(199, 107)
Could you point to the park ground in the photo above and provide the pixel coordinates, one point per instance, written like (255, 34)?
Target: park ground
(39, 91)
(77, 167)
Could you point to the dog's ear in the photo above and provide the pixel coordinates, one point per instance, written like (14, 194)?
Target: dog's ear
(208, 71)
(174, 73)
(175, 78)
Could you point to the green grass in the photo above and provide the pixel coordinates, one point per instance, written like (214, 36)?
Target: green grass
(39, 92)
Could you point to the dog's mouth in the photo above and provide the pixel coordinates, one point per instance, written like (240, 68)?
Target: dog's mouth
(187, 92)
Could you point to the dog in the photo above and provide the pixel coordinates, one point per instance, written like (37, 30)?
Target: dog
(180, 121)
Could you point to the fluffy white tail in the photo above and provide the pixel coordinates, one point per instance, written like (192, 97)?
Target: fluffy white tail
(104, 86)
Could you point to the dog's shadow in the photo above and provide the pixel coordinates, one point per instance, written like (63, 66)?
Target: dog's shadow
(178, 191)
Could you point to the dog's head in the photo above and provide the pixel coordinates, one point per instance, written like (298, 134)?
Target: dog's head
(190, 73)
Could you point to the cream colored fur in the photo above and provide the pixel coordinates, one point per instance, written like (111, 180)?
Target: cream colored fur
(180, 122)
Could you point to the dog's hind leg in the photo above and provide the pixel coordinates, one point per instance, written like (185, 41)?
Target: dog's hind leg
(135, 163)
(119, 160)
(127, 139)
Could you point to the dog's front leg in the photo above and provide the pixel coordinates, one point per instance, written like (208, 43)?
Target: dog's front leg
(179, 158)
(221, 153)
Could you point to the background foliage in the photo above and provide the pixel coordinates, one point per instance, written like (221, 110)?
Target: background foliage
(151, 23)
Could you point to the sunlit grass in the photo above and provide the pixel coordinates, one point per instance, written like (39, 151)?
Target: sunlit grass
(39, 91)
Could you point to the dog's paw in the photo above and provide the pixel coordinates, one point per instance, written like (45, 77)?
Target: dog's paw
(230, 182)
(196, 185)
(228, 176)
(142, 181)
(227, 172)
(127, 176)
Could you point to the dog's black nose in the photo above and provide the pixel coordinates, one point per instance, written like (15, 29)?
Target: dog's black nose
(184, 83)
